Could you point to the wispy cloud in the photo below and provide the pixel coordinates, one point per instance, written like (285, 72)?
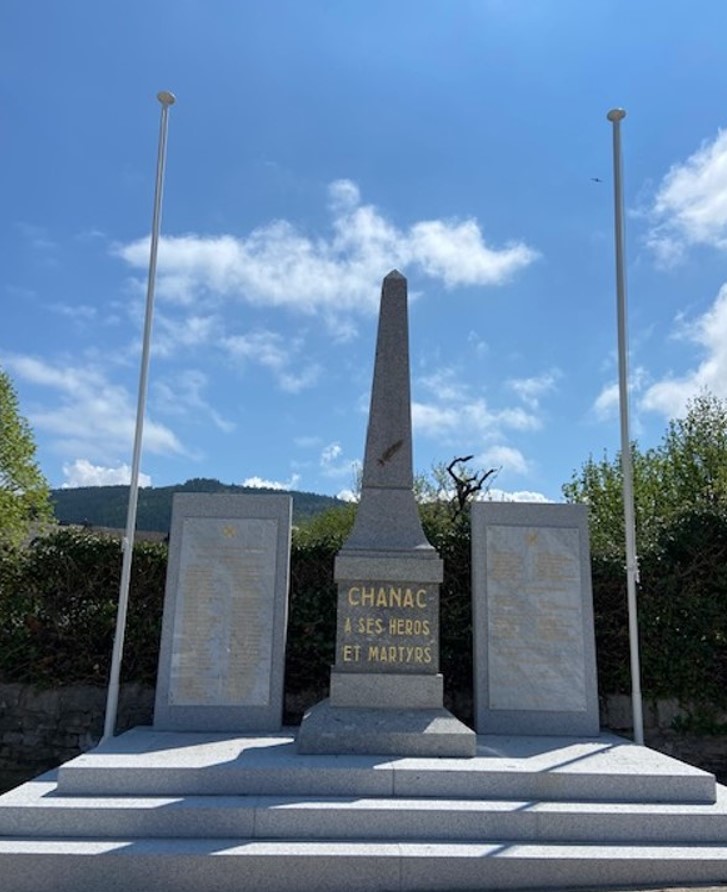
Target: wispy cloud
(669, 395)
(690, 206)
(185, 395)
(531, 390)
(37, 237)
(175, 333)
(451, 412)
(335, 275)
(333, 463)
(276, 353)
(89, 415)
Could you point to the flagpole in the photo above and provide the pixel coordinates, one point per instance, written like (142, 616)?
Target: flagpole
(127, 545)
(615, 116)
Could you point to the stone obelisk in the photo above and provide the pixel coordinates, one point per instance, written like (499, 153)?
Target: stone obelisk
(386, 689)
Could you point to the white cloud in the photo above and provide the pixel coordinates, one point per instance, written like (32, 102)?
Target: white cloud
(606, 405)
(709, 332)
(461, 419)
(343, 196)
(278, 265)
(330, 453)
(276, 353)
(469, 420)
(457, 254)
(524, 495)
(262, 483)
(347, 495)
(88, 414)
(190, 331)
(82, 473)
(530, 390)
(432, 420)
(690, 206)
(505, 457)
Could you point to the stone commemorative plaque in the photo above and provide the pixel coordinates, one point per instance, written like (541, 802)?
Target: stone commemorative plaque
(225, 613)
(387, 627)
(535, 670)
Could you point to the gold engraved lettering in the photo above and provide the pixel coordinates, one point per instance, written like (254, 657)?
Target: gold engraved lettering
(347, 626)
(367, 596)
(351, 653)
(370, 625)
(386, 596)
(399, 626)
(399, 654)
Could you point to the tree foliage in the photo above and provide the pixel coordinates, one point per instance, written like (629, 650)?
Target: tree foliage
(24, 494)
(685, 473)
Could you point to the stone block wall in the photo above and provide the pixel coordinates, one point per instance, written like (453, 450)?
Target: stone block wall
(41, 728)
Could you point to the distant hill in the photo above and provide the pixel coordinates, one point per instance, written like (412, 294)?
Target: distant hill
(106, 506)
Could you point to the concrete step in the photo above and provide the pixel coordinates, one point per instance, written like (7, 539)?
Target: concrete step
(227, 865)
(36, 809)
(144, 762)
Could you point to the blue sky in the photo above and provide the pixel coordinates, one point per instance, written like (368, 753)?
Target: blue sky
(313, 147)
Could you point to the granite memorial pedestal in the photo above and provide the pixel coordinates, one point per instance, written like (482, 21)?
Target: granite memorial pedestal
(386, 693)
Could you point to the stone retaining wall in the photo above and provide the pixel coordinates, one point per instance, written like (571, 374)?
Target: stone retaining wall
(40, 729)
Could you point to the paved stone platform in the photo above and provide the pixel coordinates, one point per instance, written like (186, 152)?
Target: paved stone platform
(225, 813)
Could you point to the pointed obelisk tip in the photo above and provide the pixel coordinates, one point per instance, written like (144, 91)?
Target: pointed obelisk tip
(394, 274)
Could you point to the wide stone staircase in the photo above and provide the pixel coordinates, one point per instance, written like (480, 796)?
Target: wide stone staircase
(176, 812)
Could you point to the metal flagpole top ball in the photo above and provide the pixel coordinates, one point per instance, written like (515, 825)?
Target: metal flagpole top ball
(616, 114)
(166, 98)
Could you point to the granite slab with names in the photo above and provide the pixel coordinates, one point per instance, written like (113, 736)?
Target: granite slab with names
(222, 656)
(534, 645)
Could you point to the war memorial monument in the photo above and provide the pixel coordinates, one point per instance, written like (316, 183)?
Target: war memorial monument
(381, 789)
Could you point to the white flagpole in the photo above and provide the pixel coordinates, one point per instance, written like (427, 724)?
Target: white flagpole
(615, 116)
(127, 546)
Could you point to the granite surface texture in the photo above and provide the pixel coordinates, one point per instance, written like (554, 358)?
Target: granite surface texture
(222, 656)
(534, 642)
(180, 811)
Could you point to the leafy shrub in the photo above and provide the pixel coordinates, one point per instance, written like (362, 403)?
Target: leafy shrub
(58, 602)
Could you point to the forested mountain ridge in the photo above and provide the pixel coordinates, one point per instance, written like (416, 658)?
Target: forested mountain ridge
(106, 506)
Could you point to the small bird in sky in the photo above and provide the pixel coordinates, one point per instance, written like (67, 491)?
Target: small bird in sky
(597, 179)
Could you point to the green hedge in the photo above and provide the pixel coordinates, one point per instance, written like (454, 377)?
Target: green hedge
(58, 609)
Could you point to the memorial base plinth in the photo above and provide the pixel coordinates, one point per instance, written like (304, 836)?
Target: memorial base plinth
(328, 729)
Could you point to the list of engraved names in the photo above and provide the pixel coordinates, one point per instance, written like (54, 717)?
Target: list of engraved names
(535, 619)
(222, 644)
